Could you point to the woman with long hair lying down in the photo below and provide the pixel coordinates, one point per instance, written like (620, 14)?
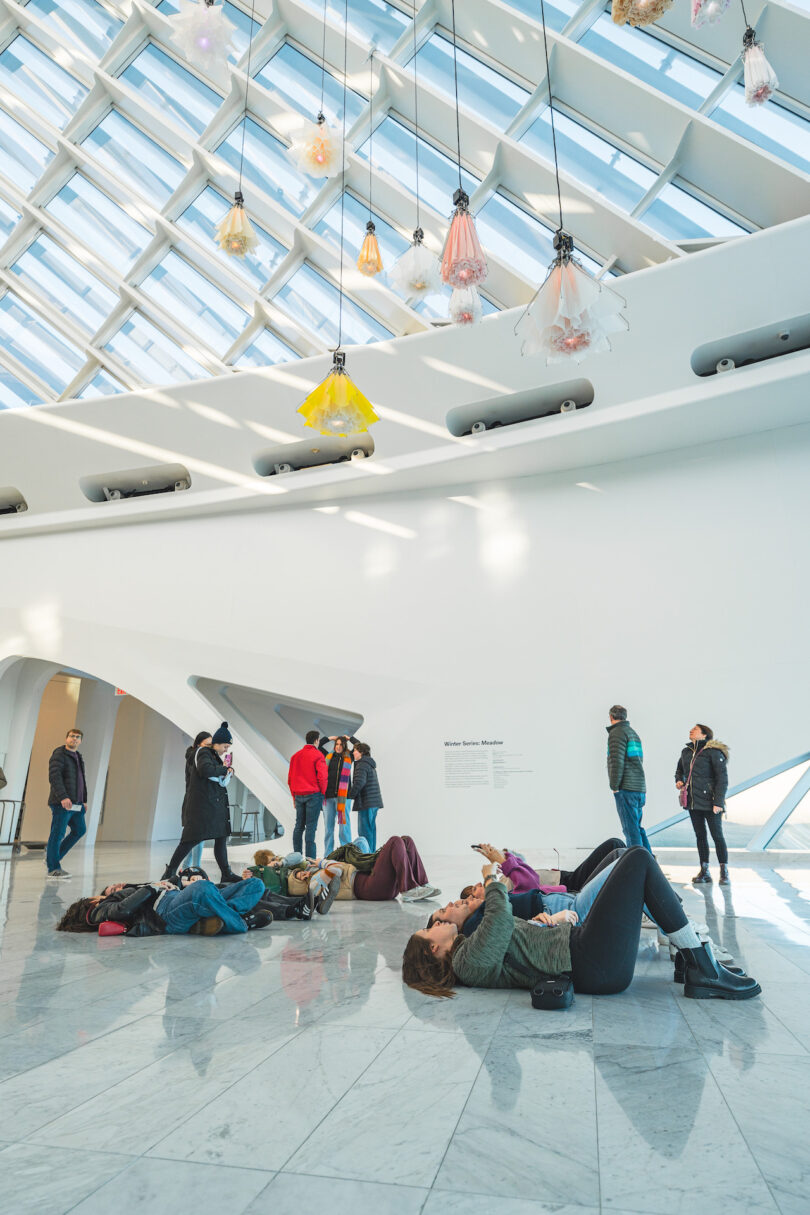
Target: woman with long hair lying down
(600, 955)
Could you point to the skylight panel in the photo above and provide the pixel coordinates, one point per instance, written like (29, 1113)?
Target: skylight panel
(265, 351)
(519, 239)
(438, 174)
(201, 219)
(590, 159)
(651, 60)
(37, 345)
(392, 245)
(558, 14)
(195, 302)
(152, 356)
(370, 21)
(22, 156)
(268, 167)
(481, 89)
(33, 77)
(133, 157)
(102, 385)
(82, 23)
(14, 394)
(298, 79)
(241, 34)
(678, 215)
(181, 96)
(314, 302)
(96, 220)
(8, 217)
(772, 127)
(68, 287)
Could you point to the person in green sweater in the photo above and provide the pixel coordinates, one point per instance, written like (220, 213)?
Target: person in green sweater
(600, 955)
(625, 766)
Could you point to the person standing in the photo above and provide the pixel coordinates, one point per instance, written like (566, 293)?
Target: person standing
(366, 795)
(338, 790)
(625, 765)
(67, 800)
(207, 813)
(203, 739)
(307, 779)
(702, 778)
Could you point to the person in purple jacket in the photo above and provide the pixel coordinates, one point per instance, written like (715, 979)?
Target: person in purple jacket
(524, 878)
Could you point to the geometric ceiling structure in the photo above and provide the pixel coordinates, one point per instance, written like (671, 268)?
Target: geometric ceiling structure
(118, 158)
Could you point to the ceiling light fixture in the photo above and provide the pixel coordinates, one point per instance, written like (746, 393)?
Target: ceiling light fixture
(370, 260)
(234, 233)
(759, 77)
(203, 33)
(638, 12)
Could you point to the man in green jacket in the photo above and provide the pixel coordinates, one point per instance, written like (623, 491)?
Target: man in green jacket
(625, 765)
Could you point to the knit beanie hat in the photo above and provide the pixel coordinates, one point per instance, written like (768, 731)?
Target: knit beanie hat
(223, 734)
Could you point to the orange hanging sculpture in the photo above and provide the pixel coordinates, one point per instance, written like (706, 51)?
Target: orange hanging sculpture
(370, 260)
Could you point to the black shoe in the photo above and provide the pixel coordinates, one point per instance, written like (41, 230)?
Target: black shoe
(227, 879)
(258, 919)
(167, 873)
(706, 979)
(725, 880)
(210, 926)
(680, 969)
(703, 877)
(325, 902)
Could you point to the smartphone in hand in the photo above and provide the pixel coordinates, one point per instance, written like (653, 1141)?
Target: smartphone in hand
(227, 759)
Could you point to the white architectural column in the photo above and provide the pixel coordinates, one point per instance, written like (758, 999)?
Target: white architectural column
(97, 712)
(22, 683)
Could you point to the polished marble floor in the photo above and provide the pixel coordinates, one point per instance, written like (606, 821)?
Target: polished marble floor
(289, 1070)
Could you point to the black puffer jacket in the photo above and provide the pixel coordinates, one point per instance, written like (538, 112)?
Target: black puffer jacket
(707, 786)
(133, 906)
(365, 791)
(334, 763)
(206, 812)
(190, 753)
(64, 777)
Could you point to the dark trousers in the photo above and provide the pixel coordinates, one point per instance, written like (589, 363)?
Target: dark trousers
(397, 868)
(707, 818)
(63, 820)
(605, 947)
(575, 879)
(308, 808)
(220, 854)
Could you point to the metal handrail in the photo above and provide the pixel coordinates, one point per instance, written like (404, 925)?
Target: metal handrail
(15, 818)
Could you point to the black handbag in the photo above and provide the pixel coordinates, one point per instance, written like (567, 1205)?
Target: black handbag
(553, 992)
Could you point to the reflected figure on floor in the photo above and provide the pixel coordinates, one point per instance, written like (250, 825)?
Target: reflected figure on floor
(337, 800)
(701, 778)
(207, 813)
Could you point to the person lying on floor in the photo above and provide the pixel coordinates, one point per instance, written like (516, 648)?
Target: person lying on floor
(599, 955)
(523, 877)
(163, 907)
(299, 900)
(273, 870)
(396, 869)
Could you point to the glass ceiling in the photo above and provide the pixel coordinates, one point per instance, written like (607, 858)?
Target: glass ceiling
(118, 158)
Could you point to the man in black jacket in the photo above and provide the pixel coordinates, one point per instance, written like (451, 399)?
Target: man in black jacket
(67, 800)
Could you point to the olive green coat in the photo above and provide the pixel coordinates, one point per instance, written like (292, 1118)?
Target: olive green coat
(505, 952)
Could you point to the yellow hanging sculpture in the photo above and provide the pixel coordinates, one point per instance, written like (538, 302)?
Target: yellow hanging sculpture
(337, 406)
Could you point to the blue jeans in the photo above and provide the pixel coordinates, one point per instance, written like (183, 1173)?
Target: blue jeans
(366, 820)
(307, 811)
(181, 909)
(630, 806)
(583, 901)
(63, 820)
(194, 857)
(329, 820)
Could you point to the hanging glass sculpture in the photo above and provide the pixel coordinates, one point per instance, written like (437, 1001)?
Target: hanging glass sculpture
(572, 314)
(416, 273)
(465, 306)
(317, 149)
(234, 233)
(638, 12)
(463, 261)
(707, 12)
(370, 260)
(337, 406)
(203, 33)
(760, 78)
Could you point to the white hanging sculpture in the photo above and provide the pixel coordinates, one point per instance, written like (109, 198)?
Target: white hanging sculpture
(317, 149)
(638, 12)
(707, 12)
(416, 273)
(760, 78)
(234, 233)
(203, 33)
(572, 314)
(465, 306)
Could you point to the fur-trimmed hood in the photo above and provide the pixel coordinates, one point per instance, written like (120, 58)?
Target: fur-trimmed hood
(717, 745)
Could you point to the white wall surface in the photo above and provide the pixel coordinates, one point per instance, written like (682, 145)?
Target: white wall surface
(677, 584)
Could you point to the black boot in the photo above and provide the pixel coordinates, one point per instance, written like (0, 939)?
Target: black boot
(704, 876)
(167, 873)
(680, 968)
(725, 880)
(705, 979)
(258, 919)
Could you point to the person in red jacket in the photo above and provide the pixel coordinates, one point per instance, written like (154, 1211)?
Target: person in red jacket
(307, 780)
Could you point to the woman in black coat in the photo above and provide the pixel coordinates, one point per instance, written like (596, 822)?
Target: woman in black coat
(206, 813)
(203, 739)
(702, 778)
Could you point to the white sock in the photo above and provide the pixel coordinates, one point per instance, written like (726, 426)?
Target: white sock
(685, 938)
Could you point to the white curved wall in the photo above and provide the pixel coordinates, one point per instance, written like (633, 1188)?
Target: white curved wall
(676, 584)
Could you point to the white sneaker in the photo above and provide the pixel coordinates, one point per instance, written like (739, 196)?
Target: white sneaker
(415, 894)
(433, 892)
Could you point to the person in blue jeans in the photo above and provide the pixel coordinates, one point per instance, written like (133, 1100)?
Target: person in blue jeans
(196, 906)
(181, 909)
(67, 800)
(307, 779)
(625, 765)
(366, 795)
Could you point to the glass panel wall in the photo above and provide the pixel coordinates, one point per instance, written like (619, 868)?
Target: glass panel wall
(268, 167)
(201, 220)
(103, 226)
(298, 79)
(195, 302)
(265, 351)
(66, 285)
(23, 156)
(84, 23)
(314, 303)
(372, 21)
(14, 394)
(480, 88)
(181, 96)
(772, 127)
(394, 154)
(678, 215)
(152, 356)
(519, 239)
(127, 153)
(102, 385)
(36, 345)
(355, 219)
(33, 77)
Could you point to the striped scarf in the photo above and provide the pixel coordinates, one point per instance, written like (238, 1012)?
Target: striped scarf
(344, 780)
